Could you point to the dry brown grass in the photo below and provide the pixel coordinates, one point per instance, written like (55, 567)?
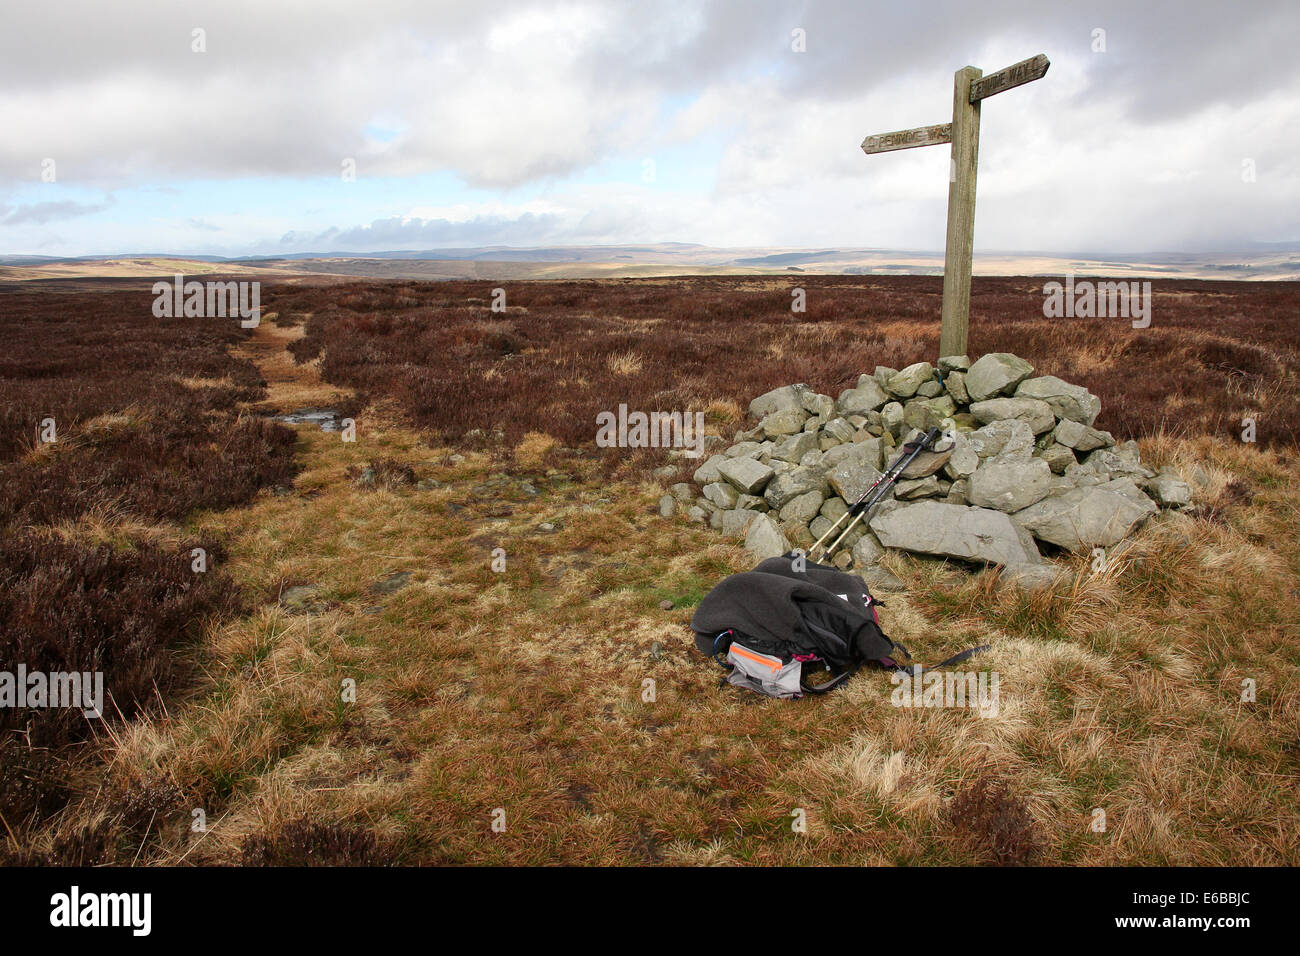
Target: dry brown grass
(522, 690)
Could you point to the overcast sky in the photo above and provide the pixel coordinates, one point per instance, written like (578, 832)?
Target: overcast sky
(545, 123)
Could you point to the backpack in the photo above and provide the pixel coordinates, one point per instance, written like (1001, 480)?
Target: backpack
(774, 627)
(780, 624)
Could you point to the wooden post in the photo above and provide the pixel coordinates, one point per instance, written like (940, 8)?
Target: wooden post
(960, 245)
(970, 87)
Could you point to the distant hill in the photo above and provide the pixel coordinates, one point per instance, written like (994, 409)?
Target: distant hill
(1262, 261)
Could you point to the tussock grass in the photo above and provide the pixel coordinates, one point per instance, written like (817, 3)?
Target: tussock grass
(523, 691)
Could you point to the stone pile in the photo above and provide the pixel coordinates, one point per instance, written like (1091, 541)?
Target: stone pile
(1026, 467)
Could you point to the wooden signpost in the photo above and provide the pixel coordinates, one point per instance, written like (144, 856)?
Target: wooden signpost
(970, 87)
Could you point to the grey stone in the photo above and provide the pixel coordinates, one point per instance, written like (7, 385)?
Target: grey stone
(834, 508)
(819, 526)
(744, 449)
(954, 531)
(958, 494)
(953, 363)
(789, 485)
(867, 551)
(817, 405)
(667, 506)
(694, 513)
(995, 374)
(1009, 485)
(840, 430)
(879, 580)
(778, 399)
(929, 389)
(1082, 437)
(683, 491)
(708, 471)
(715, 520)
(1118, 463)
(867, 397)
(905, 383)
(1058, 457)
(795, 447)
(393, 583)
(869, 450)
(1011, 438)
(853, 476)
(787, 421)
(891, 418)
(927, 413)
(963, 460)
(735, 524)
(1070, 402)
(764, 539)
(1033, 577)
(955, 383)
(1034, 412)
(745, 474)
(802, 508)
(750, 503)
(300, 597)
(927, 487)
(1169, 490)
(882, 375)
(1085, 518)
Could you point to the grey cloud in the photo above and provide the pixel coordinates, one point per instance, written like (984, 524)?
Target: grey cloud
(43, 212)
(397, 233)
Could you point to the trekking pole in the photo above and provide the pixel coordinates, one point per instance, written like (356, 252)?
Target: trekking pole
(879, 488)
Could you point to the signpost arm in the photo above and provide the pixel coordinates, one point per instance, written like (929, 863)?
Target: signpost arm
(961, 214)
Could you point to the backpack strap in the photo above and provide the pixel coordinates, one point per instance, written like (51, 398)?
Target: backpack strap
(911, 666)
(831, 684)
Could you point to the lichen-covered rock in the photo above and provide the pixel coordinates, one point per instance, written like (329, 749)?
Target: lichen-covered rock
(794, 447)
(867, 397)
(1070, 402)
(997, 373)
(708, 471)
(764, 539)
(1085, 518)
(867, 551)
(927, 487)
(787, 421)
(1033, 412)
(905, 383)
(721, 494)
(785, 487)
(778, 399)
(1058, 457)
(802, 508)
(1010, 438)
(735, 524)
(1169, 490)
(745, 474)
(955, 384)
(1009, 485)
(954, 531)
(1080, 437)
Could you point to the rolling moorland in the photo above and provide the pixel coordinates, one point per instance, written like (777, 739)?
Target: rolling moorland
(520, 690)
